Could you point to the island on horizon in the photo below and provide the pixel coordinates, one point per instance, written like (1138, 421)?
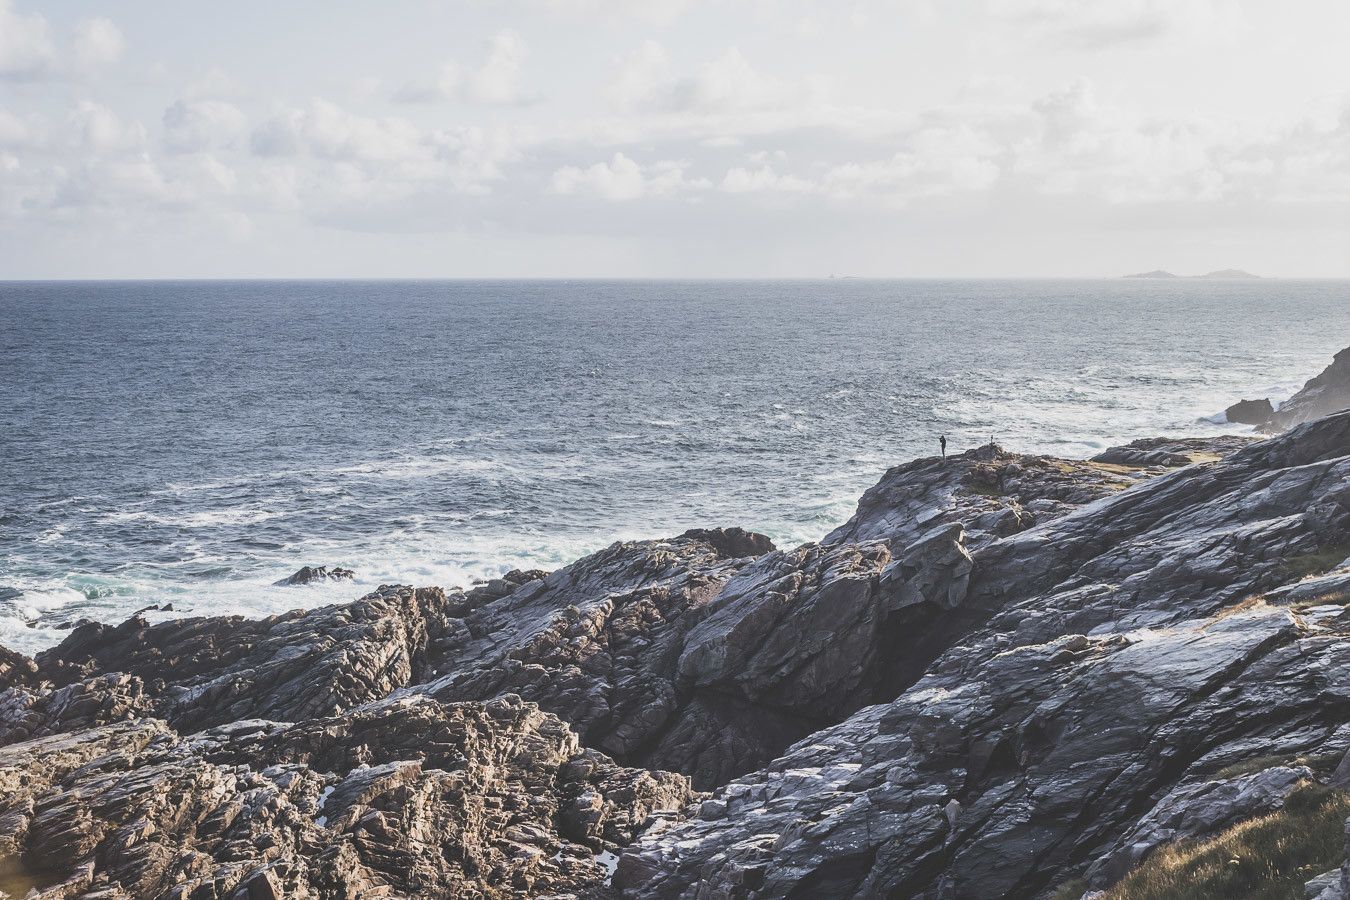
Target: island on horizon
(1218, 273)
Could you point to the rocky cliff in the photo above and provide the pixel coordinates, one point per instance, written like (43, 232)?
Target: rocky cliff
(1329, 392)
(1005, 676)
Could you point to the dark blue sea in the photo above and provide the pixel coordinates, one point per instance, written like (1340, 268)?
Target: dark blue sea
(192, 442)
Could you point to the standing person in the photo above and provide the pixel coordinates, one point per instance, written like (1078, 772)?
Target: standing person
(942, 442)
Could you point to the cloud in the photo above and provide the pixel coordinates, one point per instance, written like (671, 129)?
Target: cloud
(326, 130)
(1100, 24)
(193, 126)
(622, 179)
(26, 50)
(726, 84)
(17, 133)
(446, 86)
(28, 53)
(658, 12)
(764, 179)
(97, 42)
(497, 82)
(639, 74)
(99, 131)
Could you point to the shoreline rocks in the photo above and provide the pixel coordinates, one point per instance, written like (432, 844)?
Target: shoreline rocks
(1003, 673)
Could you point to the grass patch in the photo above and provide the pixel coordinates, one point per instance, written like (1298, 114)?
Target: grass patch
(1070, 890)
(984, 490)
(1307, 564)
(1114, 469)
(1330, 598)
(1265, 858)
(1254, 602)
(1321, 763)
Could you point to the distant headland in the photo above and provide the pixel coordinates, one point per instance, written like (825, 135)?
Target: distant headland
(1221, 273)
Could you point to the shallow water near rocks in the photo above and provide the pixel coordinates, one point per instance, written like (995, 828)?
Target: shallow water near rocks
(193, 442)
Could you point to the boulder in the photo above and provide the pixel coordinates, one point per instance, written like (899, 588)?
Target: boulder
(1250, 412)
(310, 574)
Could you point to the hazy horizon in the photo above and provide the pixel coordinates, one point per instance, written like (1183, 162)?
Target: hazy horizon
(674, 138)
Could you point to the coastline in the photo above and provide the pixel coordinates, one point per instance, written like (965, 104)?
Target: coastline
(1004, 674)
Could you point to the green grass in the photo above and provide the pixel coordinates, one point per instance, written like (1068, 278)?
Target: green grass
(1330, 598)
(1070, 890)
(1321, 763)
(1265, 858)
(1308, 564)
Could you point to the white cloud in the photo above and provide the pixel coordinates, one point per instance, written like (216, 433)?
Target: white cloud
(639, 74)
(17, 133)
(1098, 24)
(100, 131)
(497, 82)
(445, 86)
(326, 130)
(192, 126)
(26, 50)
(728, 84)
(622, 179)
(658, 12)
(97, 42)
(764, 179)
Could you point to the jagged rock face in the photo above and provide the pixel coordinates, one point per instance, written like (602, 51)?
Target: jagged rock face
(996, 780)
(203, 672)
(1198, 809)
(1105, 676)
(1172, 452)
(310, 574)
(993, 493)
(1328, 393)
(1004, 671)
(400, 798)
(15, 668)
(598, 643)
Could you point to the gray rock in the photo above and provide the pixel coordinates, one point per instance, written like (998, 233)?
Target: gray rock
(1002, 673)
(1250, 412)
(1328, 393)
(310, 574)
(402, 798)
(1197, 809)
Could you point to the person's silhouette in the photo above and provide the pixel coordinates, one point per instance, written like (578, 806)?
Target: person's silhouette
(942, 442)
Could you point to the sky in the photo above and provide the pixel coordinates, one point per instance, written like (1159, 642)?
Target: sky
(673, 138)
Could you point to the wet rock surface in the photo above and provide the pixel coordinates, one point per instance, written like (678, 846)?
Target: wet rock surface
(1003, 673)
(310, 574)
(1327, 393)
(1250, 412)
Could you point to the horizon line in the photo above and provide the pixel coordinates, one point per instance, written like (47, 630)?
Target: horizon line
(640, 278)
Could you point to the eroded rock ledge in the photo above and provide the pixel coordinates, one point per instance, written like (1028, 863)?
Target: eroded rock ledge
(1005, 672)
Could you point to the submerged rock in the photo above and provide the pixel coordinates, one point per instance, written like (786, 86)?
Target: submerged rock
(310, 574)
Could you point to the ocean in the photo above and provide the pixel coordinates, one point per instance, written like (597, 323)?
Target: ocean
(193, 442)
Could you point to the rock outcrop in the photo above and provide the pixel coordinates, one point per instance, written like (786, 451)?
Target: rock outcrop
(1250, 412)
(310, 574)
(397, 798)
(1004, 674)
(1329, 392)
